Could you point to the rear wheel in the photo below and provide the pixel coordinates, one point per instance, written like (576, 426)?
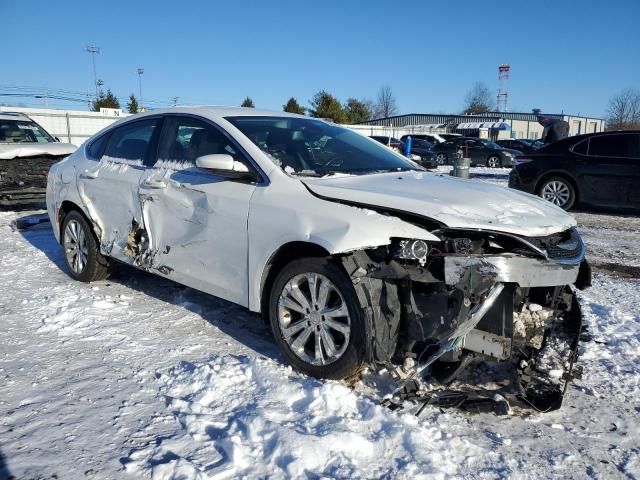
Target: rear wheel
(316, 319)
(559, 191)
(441, 159)
(494, 161)
(81, 253)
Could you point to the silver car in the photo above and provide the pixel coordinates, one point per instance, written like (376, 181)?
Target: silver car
(354, 255)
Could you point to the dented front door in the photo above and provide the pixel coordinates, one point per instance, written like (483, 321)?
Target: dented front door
(109, 188)
(197, 229)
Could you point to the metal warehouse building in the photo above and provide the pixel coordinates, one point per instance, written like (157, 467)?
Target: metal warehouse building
(496, 125)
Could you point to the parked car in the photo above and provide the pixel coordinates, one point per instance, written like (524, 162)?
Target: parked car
(26, 153)
(421, 153)
(524, 146)
(433, 138)
(353, 255)
(598, 169)
(481, 151)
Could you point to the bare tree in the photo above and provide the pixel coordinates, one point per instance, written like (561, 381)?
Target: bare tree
(479, 99)
(623, 112)
(386, 103)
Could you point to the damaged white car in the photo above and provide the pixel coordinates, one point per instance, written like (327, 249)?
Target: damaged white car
(354, 255)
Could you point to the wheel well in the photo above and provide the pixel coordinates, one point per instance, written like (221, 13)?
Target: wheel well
(285, 254)
(562, 175)
(64, 210)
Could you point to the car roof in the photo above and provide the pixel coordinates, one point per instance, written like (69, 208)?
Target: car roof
(13, 116)
(214, 111)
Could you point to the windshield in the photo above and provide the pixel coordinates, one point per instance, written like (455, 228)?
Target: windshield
(23, 131)
(312, 147)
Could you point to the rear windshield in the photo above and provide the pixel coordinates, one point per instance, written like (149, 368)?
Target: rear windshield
(23, 131)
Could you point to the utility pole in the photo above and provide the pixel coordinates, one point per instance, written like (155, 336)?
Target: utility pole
(140, 72)
(175, 101)
(92, 49)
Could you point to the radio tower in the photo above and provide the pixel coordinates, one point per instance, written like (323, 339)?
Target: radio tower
(503, 86)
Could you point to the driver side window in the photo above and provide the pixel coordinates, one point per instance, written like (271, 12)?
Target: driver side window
(184, 139)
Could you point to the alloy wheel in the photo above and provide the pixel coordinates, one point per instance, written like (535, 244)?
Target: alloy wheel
(75, 246)
(494, 162)
(313, 318)
(556, 192)
(441, 158)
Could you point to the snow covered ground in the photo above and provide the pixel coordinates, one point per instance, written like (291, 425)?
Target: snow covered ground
(138, 377)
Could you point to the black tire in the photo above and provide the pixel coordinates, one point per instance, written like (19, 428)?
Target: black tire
(352, 359)
(96, 266)
(441, 158)
(565, 196)
(494, 161)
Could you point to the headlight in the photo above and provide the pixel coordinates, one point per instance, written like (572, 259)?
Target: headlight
(414, 157)
(508, 154)
(413, 250)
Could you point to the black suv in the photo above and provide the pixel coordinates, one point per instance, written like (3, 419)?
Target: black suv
(599, 169)
(418, 147)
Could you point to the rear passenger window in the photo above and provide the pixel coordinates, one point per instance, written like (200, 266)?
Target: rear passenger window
(130, 142)
(618, 145)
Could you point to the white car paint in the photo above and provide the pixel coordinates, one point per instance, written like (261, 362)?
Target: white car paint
(21, 150)
(218, 235)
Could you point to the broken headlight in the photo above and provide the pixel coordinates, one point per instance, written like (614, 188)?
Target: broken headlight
(412, 250)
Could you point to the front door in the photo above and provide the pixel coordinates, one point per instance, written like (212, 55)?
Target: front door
(197, 221)
(109, 187)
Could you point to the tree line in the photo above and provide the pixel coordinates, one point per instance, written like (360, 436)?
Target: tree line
(326, 105)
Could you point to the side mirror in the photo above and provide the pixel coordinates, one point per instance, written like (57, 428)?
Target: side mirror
(225, 166)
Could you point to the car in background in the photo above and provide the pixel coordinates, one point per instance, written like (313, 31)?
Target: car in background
(525, 146)
(27, 151)
(433, 138)
(421, 152)
(597, 169)
(481, 151)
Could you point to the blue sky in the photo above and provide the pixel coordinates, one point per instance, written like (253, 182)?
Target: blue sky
(564, 55)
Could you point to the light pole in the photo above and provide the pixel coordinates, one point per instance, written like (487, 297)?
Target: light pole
(140, 72)
(92, 49)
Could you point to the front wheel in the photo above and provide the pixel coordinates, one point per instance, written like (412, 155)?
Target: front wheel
(441, 159)
(317, 320)
(81, 252)
(558, 191)
(494, 161)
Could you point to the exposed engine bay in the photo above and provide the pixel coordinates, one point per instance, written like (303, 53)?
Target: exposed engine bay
(475, 295)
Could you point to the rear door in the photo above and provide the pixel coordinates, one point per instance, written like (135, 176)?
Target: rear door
(609, 171)
(197, 221)
(109, 187)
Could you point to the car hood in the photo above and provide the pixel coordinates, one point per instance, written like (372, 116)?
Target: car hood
(455, 202)
(13, 150)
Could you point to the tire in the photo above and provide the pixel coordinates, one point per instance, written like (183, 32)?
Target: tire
(307, 326)
(81, 253)
(559, 191)
(494, 161)
(441, 158)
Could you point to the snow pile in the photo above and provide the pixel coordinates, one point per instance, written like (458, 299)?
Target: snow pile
(242, 416)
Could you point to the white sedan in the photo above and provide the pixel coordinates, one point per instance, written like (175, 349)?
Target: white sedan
(354, 255)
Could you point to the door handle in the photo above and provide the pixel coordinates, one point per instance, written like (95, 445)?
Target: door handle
(154, 184)
(89, 175)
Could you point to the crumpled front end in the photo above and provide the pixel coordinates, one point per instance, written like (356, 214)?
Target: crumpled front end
(477, 295)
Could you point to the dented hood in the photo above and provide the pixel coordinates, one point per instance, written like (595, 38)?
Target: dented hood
(20, 150)
(452, 201)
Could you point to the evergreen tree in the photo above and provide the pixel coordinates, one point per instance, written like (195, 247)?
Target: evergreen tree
(107, 100)
(132, 106)
(325, 105)
(248, 103)
(357, 111)
(292, 106)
